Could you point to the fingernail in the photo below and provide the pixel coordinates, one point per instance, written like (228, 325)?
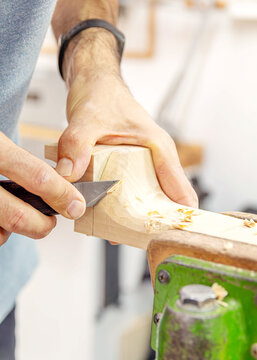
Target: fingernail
(64, 167)
(76, 209)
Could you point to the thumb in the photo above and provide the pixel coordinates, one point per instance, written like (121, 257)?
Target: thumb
(75, 148)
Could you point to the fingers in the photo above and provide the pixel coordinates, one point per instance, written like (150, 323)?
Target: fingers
(74, 152)
(39, 178)
(4, 235)
(19, 217)
(170, 173)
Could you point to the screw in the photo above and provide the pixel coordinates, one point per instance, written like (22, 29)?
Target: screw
(197, 297)
(254, 351)
(163, 277)
(157, 318)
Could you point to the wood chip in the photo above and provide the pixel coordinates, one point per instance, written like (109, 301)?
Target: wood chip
(139, 199)
(179, 226)
(152, 225)
(188, 218)
(249, 223)
(219, 291)
(153, 213)
(115, 187)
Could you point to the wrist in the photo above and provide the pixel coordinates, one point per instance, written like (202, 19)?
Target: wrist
(91, 51)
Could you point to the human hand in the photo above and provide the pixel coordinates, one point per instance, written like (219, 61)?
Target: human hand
(100, 109)
(40, 179)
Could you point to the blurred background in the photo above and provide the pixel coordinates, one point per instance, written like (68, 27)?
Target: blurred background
(192, 65)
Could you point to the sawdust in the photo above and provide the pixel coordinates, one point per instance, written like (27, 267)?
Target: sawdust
(249, 223)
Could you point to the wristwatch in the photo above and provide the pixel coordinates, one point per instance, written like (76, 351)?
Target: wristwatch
(87, 24)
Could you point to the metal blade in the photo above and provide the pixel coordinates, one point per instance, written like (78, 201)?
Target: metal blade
(94, 191)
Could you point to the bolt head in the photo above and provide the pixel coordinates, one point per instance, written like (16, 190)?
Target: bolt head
(163, 277)
(254, 351)
(197, 297)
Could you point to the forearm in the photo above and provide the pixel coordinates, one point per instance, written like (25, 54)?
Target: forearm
(91, 49)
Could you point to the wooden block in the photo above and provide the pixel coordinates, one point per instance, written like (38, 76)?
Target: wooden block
(137, 212)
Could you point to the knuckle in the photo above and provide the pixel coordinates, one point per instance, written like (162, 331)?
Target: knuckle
(71, 137)
(16, 221)
(40, 178)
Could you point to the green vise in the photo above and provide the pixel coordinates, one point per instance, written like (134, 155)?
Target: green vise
(189, 323)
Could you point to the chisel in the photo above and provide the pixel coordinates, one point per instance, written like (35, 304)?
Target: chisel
(92, 191)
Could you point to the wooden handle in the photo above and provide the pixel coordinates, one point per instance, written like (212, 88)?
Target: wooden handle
(28, 197)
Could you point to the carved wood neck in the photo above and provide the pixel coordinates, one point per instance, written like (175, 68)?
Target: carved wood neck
(138, 210)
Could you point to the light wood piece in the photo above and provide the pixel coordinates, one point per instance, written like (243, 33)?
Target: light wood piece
(138, 212)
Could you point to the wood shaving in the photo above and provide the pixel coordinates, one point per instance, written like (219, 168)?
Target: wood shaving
(219, 291)
(151, 213)
(115, 187)
(154, 214)
(179, 226)
(153, 225)
(189, 212)
(249, 223)
(158, 224)
(188, 218)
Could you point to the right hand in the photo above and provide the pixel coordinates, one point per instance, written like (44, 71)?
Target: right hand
(41, 179)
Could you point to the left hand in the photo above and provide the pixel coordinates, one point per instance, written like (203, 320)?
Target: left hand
(100, 109)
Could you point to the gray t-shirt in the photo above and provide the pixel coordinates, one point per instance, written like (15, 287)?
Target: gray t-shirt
(22, 31)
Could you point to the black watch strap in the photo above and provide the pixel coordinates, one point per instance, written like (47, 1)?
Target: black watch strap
(65, 39)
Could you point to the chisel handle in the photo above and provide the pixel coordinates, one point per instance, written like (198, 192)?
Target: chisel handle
(28, 197)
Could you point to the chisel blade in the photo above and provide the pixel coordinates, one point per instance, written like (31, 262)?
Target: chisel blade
(94, 191)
